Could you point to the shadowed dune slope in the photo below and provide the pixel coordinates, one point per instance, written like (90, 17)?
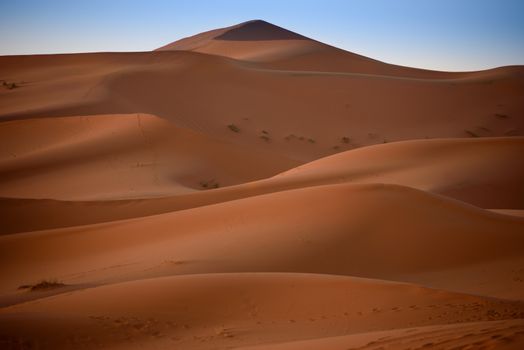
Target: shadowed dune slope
(303, 115)
(278, 48)
(121, 156)
(473, 171)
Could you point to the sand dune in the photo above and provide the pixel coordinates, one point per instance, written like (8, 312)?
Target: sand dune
(120, 156)
(278, 48)
(303, 115)
(472, 170)
(379, 231)
(225, 311)
(249, 187)
(492, 334)
(254, 41)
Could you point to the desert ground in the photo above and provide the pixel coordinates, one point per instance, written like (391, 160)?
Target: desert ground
(252, 188)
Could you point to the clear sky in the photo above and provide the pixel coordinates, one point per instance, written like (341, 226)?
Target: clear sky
(435, 34)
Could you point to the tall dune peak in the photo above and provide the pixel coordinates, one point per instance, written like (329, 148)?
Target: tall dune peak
(254, 30)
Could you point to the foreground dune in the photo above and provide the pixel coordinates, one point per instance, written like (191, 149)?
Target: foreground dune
(230, 310)
(477, 335)
(379, 231)
(251, 188)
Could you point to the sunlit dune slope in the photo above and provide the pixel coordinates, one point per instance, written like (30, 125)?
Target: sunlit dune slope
(474, 171)
(303, 115)
(382, 231)
(188, 311)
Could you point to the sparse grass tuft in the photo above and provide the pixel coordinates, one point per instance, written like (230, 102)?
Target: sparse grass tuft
(300, 138)
(8, 85)
(42, 285)
(209, 184)
(233, 128)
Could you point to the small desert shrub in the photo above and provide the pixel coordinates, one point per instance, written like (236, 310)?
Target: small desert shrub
(265, 132)
(43, 285)
(233, 128)
(9, 86)
(265, 138)
(345, 139)
(471, 133)
(209, 184)
(311, 140)
(336, 147)
(501, 116)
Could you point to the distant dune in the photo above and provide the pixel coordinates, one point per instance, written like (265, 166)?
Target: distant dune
(252, 188)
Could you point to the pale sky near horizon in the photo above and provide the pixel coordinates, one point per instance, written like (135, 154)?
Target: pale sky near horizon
(434, 34)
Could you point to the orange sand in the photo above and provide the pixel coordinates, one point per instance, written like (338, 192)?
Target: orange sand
(252, 188)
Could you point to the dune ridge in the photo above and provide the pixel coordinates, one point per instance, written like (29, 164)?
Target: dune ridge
(332, 229)
(409, 163)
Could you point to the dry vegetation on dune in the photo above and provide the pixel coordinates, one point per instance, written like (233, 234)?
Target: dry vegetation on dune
(42, 285)
(266, 191)
(9, 85)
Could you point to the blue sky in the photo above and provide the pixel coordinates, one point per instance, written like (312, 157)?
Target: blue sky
(435, 34)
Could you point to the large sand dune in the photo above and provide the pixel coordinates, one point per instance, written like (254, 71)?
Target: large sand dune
(302, 114)
(231, 310)
(122, 156)
(249, 187)
(471, 170)
(364, 230)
